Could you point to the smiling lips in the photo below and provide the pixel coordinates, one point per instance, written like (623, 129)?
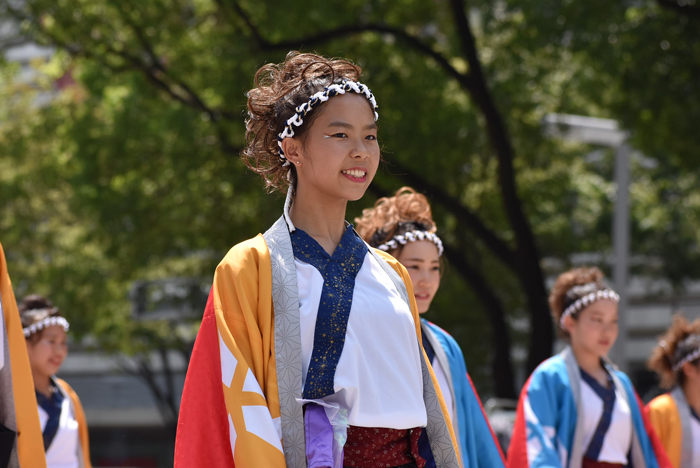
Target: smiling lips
(355, 174)
(56, 362)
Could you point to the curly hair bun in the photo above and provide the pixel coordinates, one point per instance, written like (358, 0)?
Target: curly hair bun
(279, 89)
(572, 285)
(406, 211)
(34, 308)
(673, 346)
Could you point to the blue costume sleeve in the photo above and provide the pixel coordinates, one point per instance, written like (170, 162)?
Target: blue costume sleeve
(478, 446)
(546, 419)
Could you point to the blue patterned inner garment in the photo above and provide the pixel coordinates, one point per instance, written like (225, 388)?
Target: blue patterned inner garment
(52, 406)
(339, 272)
(607, 394)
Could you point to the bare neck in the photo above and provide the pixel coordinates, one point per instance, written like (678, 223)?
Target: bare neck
(322, 219)
(591, 364)
(42, 383)
(691, 389)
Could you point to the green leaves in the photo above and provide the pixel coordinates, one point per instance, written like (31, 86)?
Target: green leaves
(132, 172)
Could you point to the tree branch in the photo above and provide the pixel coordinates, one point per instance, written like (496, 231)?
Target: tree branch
(349, 30)
(528, 257)
(13, 42)
(169, 382)
(501, 367)
(156, 65)
(688, 10)
(154, 71)
(464, 215)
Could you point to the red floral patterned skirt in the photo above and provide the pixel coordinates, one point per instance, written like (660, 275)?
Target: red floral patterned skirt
(374, 447)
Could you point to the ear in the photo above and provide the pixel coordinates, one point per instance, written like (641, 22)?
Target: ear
(691, 371)
(569, 323)
(292, 150)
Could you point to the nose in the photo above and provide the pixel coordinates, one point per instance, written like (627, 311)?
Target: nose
(361, 150)
(422, 276)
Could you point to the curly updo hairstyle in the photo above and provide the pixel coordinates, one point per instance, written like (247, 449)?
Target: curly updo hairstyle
(279, 89)
(678, 342)
(406, 211)
(570, 287)
(35, 308)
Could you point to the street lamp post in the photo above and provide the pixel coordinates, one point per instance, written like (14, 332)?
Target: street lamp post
(606, 132)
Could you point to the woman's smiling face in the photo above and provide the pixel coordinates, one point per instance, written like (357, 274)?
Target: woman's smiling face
(338, 156)
(47, 353)
(422, 261)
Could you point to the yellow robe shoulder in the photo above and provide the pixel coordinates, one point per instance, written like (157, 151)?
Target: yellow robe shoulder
(30, 447)
(82, 422)
(664, 416)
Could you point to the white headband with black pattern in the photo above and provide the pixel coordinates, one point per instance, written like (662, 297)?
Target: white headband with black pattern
(412, 236)
(47, 322)
(691, 356)
(587, 300)
(346, 86)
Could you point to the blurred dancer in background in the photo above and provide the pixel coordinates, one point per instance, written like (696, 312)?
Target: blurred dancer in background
(674, 415)
(403, 226)
(20, 433)
(576, 410)
(62, 418)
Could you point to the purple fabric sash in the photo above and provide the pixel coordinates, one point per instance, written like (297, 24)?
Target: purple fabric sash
(319, 437)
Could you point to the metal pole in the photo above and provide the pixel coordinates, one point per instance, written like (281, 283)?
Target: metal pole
(621, 247)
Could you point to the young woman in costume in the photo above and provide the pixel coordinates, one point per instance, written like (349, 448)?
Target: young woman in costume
(309, 351)
(20, 433)
(577, 410)
(674, 415)
(61, 415)
(403, 226)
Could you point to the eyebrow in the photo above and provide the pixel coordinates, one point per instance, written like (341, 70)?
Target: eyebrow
(420, 260)
(372, 126)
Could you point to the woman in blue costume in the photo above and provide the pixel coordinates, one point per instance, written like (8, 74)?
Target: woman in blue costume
(577, 410)
(403, 226)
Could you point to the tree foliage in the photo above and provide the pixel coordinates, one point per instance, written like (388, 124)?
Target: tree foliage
(133, 172)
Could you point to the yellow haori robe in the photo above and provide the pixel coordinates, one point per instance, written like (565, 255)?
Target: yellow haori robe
(239, 406)
(83, 452)
(22, 416)
(670, 416)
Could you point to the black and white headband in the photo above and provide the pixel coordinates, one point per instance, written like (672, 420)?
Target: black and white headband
(346, 86)
(690, 341)
(412, 236)
(587, 300)
(47, 322)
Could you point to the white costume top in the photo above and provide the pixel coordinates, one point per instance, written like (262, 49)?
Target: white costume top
(64, 449)
(617, 439)
(695, 430)
(445, 387)
(378, 378)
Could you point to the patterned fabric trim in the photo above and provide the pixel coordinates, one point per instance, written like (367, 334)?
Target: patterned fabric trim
(339, 272)
(285, 299)
(684, 413)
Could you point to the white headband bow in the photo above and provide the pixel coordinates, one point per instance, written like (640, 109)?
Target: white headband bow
(587, 300)
(47, 322)
(328, 92)
(412, 236)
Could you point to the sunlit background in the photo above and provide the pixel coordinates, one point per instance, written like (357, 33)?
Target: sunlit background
(546, 134)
